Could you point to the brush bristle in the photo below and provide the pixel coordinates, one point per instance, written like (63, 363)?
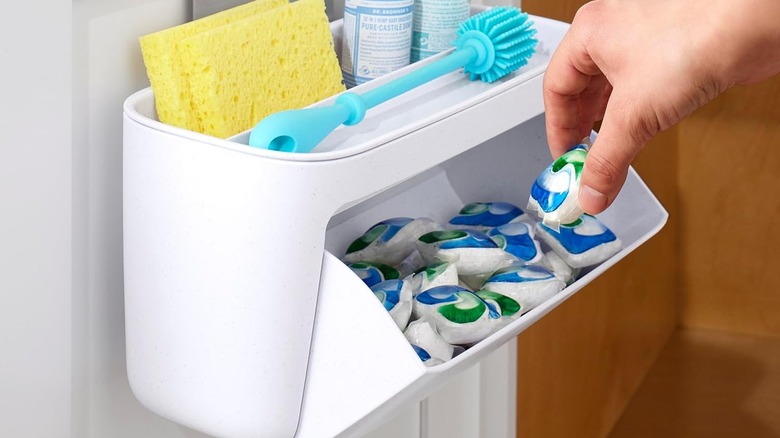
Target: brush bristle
(511, 33)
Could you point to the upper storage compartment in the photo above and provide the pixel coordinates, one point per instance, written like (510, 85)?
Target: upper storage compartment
(410, 112)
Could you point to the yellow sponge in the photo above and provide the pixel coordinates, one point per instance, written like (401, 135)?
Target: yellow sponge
(277, 60)
(161, 57)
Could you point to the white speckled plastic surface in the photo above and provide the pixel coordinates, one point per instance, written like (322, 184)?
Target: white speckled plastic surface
(240, 319)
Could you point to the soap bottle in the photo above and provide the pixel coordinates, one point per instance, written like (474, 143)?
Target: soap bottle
(377, 38)
(435, 25)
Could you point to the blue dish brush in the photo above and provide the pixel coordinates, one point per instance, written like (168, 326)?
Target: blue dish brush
(490, 45)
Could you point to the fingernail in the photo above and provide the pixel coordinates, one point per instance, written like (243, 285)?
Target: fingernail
(592, 201)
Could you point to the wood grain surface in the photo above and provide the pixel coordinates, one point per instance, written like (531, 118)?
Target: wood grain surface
(579, 366)
(729, 188)
(708, 384)
(717, 174)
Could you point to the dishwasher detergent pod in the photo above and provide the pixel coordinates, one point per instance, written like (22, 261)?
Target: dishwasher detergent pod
(390, 241)
(483, 216)
(517, 239)
(396, 297)
(472, 252)
(373, 273)
(584, 242)
(555, 193)
(555, 264)
(460, 316)
(436, 274)
(529, 285)
(423, 335)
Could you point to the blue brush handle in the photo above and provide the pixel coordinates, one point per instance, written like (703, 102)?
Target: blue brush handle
(489, 46)
(302, 130)
(400, 85)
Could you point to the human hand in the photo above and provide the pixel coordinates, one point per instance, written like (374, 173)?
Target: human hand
(642, 67)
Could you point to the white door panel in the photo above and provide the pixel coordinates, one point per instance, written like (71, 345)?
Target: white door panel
(453, 411)
(498, 393)
(107, 68)
(405, 423)
(479, 403)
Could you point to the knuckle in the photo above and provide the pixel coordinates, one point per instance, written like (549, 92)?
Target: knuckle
(588, 11)
(641, 121)
(604, 170)
(588, 20)
(589, 15)
(645, 128)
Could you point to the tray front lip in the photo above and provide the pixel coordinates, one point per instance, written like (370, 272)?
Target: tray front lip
(382, 140)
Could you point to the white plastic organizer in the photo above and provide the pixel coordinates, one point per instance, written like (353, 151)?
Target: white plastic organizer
(240, 319)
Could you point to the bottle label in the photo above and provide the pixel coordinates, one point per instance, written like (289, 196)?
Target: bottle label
(377, 38)
(435, 25)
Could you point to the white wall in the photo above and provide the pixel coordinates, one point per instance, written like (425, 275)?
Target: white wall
(66, 69)
(35, 219)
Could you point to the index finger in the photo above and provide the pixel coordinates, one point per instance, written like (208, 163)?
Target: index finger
(568, 75)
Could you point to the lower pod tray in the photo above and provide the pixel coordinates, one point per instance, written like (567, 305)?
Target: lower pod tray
(361, 366)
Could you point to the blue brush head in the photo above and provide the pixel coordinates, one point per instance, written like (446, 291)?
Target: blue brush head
(504, 38)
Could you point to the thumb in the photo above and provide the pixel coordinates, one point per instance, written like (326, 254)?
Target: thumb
(624, 131)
